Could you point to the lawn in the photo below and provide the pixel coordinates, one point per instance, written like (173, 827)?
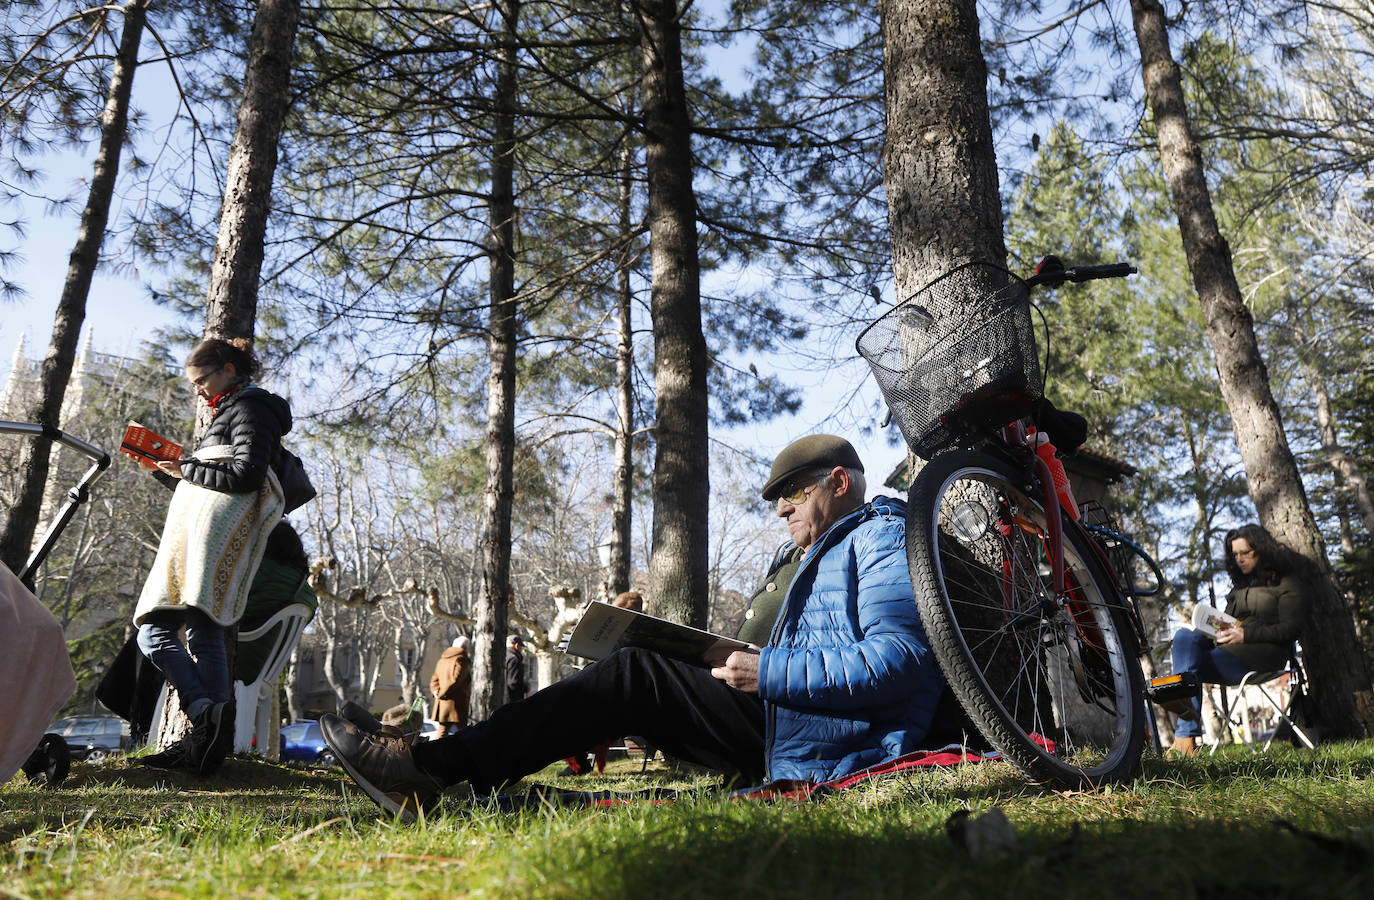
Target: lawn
(1291, 823)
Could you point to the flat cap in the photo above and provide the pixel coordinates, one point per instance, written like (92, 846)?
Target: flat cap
(815, 451)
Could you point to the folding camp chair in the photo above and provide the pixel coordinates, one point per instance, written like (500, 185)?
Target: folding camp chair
(1296, 683)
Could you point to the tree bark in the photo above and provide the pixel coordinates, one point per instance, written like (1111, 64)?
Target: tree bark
(939, 163)
(232, 303)
(681, 483)
(21, 521)
(1339, 680)
(489, 638)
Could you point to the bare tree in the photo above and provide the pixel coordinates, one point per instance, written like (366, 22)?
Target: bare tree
(622, 504)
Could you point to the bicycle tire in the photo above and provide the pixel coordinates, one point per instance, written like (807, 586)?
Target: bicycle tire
(1024, 664)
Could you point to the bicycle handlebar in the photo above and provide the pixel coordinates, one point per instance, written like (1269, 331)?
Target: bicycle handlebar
(1051, 272)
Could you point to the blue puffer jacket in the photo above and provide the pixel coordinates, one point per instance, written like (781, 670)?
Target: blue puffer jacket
(848, 678)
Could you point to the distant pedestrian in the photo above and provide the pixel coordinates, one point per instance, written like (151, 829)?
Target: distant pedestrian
(632, 600)
(516, 684)
(451, 686)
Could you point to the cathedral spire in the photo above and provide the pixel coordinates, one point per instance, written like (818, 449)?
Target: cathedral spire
(19, 365)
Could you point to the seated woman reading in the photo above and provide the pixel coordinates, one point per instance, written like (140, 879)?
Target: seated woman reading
(1268, 598)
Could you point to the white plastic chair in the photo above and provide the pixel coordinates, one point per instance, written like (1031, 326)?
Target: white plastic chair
(252, 701)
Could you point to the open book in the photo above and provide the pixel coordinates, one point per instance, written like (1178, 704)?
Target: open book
(1207, 619)
(605, 628)
(140, 443)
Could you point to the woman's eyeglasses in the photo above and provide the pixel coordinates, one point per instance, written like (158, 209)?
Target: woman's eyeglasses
(200, 382)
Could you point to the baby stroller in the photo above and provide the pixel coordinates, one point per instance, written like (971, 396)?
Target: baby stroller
(33, 650)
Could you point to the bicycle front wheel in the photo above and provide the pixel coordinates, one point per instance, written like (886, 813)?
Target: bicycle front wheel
(1054, 683)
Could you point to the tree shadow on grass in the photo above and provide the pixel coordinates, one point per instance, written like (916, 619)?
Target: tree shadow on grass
(119, 792)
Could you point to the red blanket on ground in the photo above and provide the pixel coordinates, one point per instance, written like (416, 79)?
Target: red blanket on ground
(920, 759)
(541, 795)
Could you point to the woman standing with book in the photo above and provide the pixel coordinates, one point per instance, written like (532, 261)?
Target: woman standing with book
(1268, 598)
(227, 500)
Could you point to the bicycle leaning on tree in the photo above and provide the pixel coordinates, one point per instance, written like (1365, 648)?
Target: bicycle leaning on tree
(1029, 606)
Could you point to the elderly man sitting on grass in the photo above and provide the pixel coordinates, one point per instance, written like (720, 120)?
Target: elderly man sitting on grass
(844, 679)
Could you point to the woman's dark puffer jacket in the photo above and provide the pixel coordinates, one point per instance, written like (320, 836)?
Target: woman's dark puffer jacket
(1272, 616)
(252, 421)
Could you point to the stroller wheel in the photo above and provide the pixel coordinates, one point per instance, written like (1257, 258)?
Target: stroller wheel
(50, 762)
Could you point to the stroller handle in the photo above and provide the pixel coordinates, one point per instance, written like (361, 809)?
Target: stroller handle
(100, 461)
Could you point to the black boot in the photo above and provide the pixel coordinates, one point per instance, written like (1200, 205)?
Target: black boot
(176, 756)
(212, 733)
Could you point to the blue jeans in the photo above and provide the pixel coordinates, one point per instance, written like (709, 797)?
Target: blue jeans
(1194, 651)
(202, 678)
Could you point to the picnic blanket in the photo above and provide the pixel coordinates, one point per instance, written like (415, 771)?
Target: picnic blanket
(34, 668)
(544, 795)
(210, 550)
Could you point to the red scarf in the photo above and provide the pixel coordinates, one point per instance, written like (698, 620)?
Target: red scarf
(228, 392)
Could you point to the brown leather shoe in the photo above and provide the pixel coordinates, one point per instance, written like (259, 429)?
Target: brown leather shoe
(383, 767)
(1184, 746)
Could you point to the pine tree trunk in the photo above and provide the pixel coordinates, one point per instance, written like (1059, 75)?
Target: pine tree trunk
(1339, 680)
(488, 683)
(939, 163)
(232, 304)
(21, 521)
(231, 307)
(681, 484)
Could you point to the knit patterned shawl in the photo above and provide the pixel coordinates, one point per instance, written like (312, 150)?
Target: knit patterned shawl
(210, 550)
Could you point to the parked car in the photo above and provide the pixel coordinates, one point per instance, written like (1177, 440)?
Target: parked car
(303, 742)
(93, 738)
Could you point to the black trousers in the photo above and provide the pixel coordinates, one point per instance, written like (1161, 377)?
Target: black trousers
(677, 707)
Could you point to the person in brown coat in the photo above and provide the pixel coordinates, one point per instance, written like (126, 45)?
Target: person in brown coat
(451, 686)
(629, 600)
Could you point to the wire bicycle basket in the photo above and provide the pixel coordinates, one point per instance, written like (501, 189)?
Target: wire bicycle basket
(956, 359)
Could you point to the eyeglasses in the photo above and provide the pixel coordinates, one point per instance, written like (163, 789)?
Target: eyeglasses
(796, 493)
(200, 382)
(1245, 553)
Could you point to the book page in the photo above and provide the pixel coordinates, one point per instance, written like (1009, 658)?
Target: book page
(1207, 619)
(140, 443)
(605, 628)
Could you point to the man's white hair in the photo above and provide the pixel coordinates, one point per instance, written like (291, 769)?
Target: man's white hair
(857, 482)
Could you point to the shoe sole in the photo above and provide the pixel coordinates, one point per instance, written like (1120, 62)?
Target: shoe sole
(380, 797)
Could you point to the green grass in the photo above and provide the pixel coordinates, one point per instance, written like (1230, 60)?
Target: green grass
(1288, 824)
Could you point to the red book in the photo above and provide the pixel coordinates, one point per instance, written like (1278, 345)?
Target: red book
(140, 443)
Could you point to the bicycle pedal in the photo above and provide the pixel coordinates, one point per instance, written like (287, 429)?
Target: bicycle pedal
(1176, 693)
